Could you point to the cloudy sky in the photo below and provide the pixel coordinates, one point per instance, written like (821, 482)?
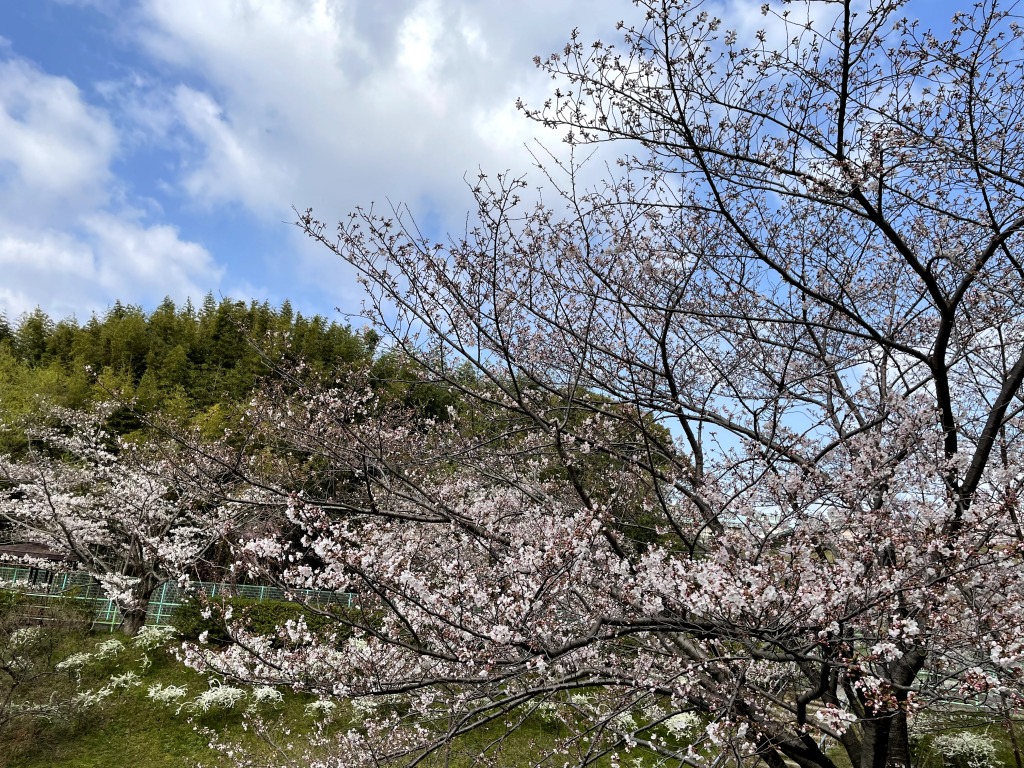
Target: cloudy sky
(157, 147)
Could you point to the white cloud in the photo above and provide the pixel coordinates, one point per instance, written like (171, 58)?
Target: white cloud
(419, 55)
(68, 244)
(337, 104)
(334, 104)
(231, 165)
(148, 261)
(55, 149)
(116, 259)
(260, 105)
(79, 273)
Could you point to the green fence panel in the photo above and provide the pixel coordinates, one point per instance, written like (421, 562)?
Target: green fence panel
(47, 587)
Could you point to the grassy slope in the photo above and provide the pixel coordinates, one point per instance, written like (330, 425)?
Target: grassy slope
(130, 730)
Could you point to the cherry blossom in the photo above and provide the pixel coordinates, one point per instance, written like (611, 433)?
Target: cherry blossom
(131, 521)
(739, 431)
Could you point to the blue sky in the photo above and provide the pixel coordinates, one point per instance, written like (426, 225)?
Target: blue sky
(156, 147)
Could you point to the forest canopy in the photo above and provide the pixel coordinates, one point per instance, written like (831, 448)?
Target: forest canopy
(183, 362)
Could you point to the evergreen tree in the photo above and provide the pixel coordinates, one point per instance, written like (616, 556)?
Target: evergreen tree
(30, 337)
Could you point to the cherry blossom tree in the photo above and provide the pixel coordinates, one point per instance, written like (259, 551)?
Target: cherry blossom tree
(740, 430)
(131, 520)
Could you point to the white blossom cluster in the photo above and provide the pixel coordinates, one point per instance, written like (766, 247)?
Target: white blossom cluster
(131, 520)
(218, 696)
(965, 749)
(166, 694)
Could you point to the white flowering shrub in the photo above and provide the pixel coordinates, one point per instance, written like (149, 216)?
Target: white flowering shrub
(217, 697)
(548, 712)
(581, 700)
(681, 724)
(265, 694)
(108, 649)
(24, 636)
(362, 707)
(151, 638)
(88, 699)
(623, 722)
(166, 694)
(124, 681)
(965, 749)
(75, 662)
(322, 708)
(29, 656)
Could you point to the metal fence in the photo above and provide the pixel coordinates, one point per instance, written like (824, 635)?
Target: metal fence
(47, 589)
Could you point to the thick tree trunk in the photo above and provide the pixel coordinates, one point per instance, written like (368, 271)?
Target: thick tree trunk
(133, 620)
(134, 617)
(886, 742)
(899, 742)
(874, 751)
